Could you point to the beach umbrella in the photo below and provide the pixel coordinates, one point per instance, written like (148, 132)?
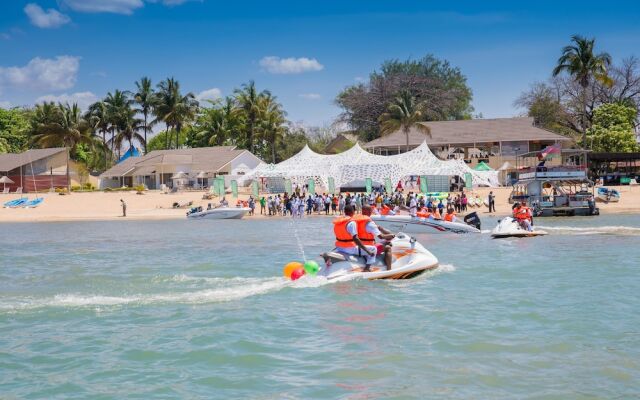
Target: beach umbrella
(202, 175)
(5, 179)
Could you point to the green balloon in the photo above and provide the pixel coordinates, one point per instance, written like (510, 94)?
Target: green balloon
(311, 268)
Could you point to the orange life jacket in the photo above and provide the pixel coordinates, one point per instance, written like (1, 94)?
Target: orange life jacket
(449, 216)
(385, 210)
(424, 213)
(364, 236)
(343, 237)
(521, 213)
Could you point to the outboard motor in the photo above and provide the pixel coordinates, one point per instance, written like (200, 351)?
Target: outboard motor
(472, 219)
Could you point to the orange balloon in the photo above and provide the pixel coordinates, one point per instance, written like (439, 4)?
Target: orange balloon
(289, 268)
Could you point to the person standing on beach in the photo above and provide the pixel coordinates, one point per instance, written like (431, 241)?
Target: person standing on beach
(492, 202)
(124, 208)
(263, 203)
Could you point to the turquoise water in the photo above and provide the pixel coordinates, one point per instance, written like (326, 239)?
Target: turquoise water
(197, 309)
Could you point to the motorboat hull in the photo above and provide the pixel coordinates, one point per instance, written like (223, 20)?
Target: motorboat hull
(415, 225)
(220, 213)
(509, 227)
(410, 259)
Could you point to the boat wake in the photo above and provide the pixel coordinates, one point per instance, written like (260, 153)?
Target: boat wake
(223, 290)
(597, 230)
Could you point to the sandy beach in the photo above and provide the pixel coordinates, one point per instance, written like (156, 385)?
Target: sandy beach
(156, 205)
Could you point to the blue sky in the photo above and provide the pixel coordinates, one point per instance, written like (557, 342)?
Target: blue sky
(304, 52)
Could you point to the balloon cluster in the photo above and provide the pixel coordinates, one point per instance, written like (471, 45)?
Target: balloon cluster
(295, 270)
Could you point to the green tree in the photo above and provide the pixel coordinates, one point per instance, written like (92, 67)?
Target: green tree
(173, 108)
(612, 129)
(403, 114)
(272, 122)
(443, 87)
(62, 126)
(581, 62)
(248, 110)
(145, 98)
(118, 108)
(14, 130)
(158, 142)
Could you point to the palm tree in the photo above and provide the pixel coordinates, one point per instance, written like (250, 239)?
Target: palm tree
(97, 118)
(118, 106)
(248, 99)
(129, 130)
(145, 98)
(271, 122)
(404, 113)
(583, 65)
(173, 108)
(62, 125)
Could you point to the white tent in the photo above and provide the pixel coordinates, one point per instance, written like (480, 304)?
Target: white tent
(357, 164)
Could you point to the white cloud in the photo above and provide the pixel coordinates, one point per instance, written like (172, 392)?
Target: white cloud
(5, 104)
(45, 19)
(109, 6)
(114, 6)
(277, 65)
(83, 99)
(310, 96)
(209, 94)
(43, 73)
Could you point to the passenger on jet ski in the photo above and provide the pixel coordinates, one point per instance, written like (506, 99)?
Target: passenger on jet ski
(523, 215)
(450, 216)
(346, 231)
(369, 230)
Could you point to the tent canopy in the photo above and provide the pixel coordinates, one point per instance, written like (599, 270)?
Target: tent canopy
(358, 164)
(482, 166)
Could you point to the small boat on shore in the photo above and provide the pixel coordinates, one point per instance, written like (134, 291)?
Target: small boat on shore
(218, 213)
(16, 203)
(411, 259)
(509, 227)
(409, 224)
(607, 195)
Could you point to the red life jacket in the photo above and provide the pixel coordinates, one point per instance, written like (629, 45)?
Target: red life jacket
(449, 216)
(343, 237)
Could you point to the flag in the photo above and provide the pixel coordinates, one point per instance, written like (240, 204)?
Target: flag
(332, 185)
(549, 150)
(369, 185)
(422, 183)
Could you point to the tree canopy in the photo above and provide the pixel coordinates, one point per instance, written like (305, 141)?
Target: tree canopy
(440, 87)
(612, 129)
(14, 130)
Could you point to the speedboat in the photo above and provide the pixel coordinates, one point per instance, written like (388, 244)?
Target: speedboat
(509, 227)
(607, 195)
(409, 224)
(410, 259)
(218, 213)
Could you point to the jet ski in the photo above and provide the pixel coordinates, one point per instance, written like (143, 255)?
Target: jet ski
(218, 213)
(509, 227)
(410, 259)
(409, 224)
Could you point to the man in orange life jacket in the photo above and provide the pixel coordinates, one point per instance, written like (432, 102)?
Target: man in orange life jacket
(347, 240)
(523, 215)
(369, 230)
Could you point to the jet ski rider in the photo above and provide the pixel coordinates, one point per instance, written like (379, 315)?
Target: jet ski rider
(369, 230)
(523, 215)
(347, 241)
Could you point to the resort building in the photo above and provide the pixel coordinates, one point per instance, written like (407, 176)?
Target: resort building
(492, 141)
(38, 169)
(180, 168)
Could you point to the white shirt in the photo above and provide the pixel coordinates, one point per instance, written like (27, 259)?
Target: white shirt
(372, 228)
(352, 228)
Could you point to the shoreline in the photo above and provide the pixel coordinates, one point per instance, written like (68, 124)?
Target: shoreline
(156, 206)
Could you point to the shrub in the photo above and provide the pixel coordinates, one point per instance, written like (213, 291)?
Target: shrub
(139, 188)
